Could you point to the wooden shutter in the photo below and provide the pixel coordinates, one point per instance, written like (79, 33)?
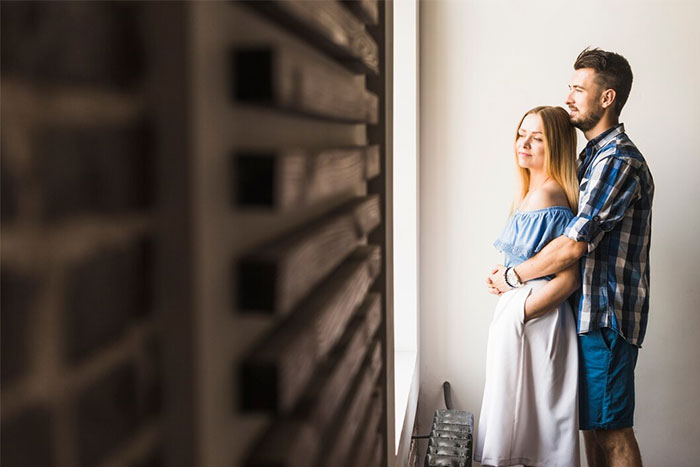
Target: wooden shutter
(316, 368)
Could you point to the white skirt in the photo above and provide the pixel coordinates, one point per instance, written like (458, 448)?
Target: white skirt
(529, 414)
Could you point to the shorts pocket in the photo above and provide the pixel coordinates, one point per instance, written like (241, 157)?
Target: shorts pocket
(609, 337)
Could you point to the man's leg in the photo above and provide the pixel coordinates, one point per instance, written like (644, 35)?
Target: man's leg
(606, 397)
(594, 452)
(594, 362)
(619, 446)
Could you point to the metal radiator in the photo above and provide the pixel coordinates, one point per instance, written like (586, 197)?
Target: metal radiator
(451, 438)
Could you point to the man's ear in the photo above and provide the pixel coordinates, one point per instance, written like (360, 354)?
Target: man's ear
(607, 98)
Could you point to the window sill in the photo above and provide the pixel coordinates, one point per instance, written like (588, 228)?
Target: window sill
(404, 369)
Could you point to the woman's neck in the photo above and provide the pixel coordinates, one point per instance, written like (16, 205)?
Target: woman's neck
(537, 179)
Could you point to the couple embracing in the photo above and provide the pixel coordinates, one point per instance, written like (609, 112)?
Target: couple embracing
(574, 287)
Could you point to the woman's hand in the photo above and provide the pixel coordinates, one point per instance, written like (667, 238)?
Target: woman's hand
(497, 279)
(489, 281)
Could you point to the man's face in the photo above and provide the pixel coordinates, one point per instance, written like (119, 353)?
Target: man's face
(584, 99)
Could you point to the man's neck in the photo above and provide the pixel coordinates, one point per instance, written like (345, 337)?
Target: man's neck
(602, 126)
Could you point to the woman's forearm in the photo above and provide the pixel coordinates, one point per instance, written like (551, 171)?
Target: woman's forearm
(552, 294)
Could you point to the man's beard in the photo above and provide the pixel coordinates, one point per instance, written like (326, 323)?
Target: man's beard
(588, 121)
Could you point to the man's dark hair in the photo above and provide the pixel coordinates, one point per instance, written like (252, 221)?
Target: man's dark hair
(612, 72)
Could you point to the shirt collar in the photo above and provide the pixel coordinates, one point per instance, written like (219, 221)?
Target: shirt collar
(596, 144)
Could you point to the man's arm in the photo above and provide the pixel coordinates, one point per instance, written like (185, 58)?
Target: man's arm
(557, 255)
(610, 188)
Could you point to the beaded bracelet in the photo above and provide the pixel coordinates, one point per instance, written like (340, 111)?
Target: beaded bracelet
(505, 277)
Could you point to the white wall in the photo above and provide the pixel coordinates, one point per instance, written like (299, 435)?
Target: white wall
(483, 63)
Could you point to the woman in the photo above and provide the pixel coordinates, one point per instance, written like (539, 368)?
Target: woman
(529, 413)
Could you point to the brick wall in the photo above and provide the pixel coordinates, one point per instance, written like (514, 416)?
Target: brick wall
(80, 375)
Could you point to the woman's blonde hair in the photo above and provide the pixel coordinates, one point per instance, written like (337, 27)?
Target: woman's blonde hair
(559, 153)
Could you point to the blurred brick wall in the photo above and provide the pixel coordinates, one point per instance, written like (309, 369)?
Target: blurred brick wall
(80, 377)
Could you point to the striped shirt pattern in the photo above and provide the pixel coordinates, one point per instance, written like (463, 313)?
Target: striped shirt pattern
(614, 218)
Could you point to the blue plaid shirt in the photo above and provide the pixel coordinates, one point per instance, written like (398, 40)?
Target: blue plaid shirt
(614, 218)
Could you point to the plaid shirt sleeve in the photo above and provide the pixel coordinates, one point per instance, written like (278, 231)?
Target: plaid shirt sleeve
(609, 188)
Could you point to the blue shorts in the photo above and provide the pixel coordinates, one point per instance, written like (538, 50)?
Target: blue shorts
(606, 380)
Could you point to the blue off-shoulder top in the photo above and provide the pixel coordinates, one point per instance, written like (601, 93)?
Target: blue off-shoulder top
(527, 232)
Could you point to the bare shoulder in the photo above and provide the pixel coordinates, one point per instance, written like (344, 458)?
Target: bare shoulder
(550, 194)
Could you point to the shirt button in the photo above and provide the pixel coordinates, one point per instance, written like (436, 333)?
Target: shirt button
(596, 218)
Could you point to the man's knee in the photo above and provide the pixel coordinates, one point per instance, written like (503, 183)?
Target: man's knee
(615, 440)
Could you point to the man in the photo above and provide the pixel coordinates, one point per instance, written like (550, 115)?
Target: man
(610, 236)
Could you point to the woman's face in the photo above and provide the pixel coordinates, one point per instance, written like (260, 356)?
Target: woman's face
(529, 144)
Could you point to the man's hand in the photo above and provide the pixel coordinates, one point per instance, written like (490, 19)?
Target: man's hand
(495, 282)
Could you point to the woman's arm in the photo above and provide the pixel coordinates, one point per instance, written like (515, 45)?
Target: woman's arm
(552, 294)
